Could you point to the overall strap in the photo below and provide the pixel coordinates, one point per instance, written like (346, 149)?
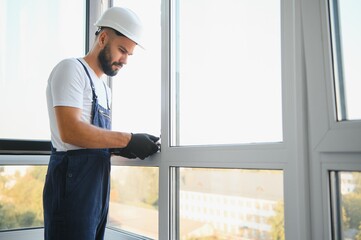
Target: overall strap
(92, 85)
(106, 94)
(91, 81)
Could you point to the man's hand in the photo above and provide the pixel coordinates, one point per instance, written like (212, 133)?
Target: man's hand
(143, 145)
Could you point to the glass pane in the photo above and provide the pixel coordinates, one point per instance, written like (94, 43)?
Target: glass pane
(21, 190)
(346, 38)
(225, 204)
(136, 88)
(134, 200)
(226, 80)
(35, 35)
(350, 183)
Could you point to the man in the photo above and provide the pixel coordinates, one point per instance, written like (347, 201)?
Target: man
(76, 191)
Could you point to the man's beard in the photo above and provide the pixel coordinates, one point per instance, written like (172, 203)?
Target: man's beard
(105, 62)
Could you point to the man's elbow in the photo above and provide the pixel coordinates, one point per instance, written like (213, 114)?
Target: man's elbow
(69, 124)
(69, 133)
(67, 137)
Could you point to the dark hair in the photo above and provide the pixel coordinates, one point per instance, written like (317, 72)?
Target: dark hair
(116, 32)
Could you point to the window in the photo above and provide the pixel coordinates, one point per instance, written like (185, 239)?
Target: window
(232, 84)
(210, 219)
(346, 204)
(226, 72)
(21, 189)
(346, 50)
(35, 37)
(134, 200)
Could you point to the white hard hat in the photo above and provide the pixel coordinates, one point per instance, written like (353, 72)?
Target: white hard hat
(124, 21)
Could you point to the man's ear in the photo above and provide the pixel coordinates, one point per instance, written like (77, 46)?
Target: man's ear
(102, 38)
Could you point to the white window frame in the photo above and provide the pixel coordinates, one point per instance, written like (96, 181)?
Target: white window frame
(334, 146)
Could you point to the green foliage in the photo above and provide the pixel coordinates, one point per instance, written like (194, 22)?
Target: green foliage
(26, 219)
(277, 223)
(358, 236)
(21, 198)
(352, 205)
(137, 186)
(345, 219)
(7, 217)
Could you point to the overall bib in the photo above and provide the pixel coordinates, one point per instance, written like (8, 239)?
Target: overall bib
(77, 186)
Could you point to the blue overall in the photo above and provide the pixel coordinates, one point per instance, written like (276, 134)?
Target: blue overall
(77, 186)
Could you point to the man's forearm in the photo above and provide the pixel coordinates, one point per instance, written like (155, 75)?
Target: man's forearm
(82, 134)
(88, 136)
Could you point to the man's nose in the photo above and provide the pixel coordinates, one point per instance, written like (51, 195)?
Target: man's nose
(124, 59)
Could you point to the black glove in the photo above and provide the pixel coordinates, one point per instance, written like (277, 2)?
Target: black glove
(143, 145)
(123, 152)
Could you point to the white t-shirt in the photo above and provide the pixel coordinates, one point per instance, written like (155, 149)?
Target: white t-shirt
(69, 85)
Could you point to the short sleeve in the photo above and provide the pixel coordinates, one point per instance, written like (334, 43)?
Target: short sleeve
(67, 84)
